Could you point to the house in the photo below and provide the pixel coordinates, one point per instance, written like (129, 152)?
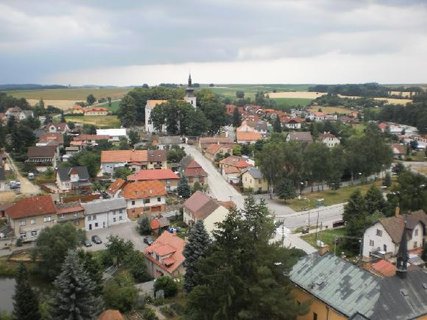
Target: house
(85, 140)
(96, 111)
(304, 137)
(254, 180)
(72, 212)
(201, 207)
(114, 134)
(74, 178)
(115, 188)
(29, 216)
(167, 176)
(399, 151)
(144, 197)
(206, 141)
(76, 110)
(292, 123)
(214, 150)
(232, 167)
(51, 139)
(159, 224)
(133, 159)
(329, 139)
(18, 113)
(338, 289)
(42, 157)
(58, 127)
(248, 137)
(382, 239)
(150, 105)
(103, 213)
(111, 314)
(195, 173)
(165, 256)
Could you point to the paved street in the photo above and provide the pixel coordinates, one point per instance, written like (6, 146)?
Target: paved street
(126, 231)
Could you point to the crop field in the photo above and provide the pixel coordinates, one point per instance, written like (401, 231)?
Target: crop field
(75, 94)
(296, 94)
(99, 121)
(229, 90)
(389, 100)
(338, 110)
(287, 103)
(61, 104)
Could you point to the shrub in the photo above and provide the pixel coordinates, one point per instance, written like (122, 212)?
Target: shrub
(167, 311)
(149, 314)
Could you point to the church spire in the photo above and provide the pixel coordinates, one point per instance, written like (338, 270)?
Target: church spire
(402, 255)
(189, 80)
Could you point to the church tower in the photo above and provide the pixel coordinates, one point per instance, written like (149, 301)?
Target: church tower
(189, 93)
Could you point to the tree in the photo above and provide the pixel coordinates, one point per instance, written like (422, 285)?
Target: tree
(120, 292)
(167, 284)
(144, 227)
(237, 118)
(127, 112)
(183, 188)
(387, 180)
(52, 246)
(277, 125)
(374, 200)
(271, 163)
(196, 247)
(74, 296)
(26, 304)
(90, 99)
(355, 216)
(175, 154)
(133, 137)
(285, 189)
(122, 173)
(93, 268)
(109, 101)
(118, 249)
(243, 274)
(135, 263)
(240, 94)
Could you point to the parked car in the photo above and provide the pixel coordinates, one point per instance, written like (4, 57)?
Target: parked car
(87, 243)
(149, 240)
(15, 184)
(96, 239)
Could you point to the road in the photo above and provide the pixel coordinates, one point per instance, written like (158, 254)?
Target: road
(26, 186)
(222, 190)
(416, 167)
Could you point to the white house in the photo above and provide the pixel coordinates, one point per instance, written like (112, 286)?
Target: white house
(202, 207)
(151, 104)
(114, 134)
(329, 139)
(104, 213)
(383, 237)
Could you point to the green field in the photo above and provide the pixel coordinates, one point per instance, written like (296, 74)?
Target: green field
(99, 121)
(328, 237)
(229, 90)
(114, 105)
(288, 103)
(70, 93)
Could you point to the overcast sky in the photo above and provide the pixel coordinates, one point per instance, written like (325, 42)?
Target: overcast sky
(130, 42)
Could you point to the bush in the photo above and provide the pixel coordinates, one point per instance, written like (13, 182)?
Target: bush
(149, 314)
(177, 308)
(19, 242)
(167, 284)
(167, 311)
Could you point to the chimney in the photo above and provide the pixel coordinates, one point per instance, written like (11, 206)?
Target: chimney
(397, 211)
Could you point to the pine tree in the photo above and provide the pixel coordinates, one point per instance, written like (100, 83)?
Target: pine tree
(277, 125)
(196, 247)
(237, 118)
(144, 227)
(243, 273)
(374, 200)
(26, 305)
(356, 219)
(74, 298)
(387, 180)
(183, 188)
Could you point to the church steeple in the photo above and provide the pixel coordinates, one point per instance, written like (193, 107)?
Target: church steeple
(190, 97)
(189, 81)
(402, 255)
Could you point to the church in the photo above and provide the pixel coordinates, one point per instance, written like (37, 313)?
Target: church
(189, 97)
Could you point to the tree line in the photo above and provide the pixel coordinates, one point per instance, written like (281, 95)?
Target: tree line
(362, 90)
(316, 164)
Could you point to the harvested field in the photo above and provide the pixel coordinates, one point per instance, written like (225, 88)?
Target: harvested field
(76, 94)
(61, 104)
(296, 94)
(389, 100)
(99, 121)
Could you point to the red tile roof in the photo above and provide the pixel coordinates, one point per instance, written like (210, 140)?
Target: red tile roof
(384, 268)
(31, 207)
(164, 245)
(111, 314)
(248, 136)
(156, 174)
(124, 156)
(89, 137)
(194, 170)
(55, 136)
(144, 189)
(235, 161)
(213, 148)
(116, 186)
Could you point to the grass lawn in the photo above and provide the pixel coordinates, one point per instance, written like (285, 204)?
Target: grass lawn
(419, 156)
(288, 103)
(328, 237)
(359, 128)
(308, 200)
(100, 122)
(70, 93)
(114, 105)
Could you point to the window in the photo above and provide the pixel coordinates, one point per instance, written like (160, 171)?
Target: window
(121, 211)
(120, 218)
(416, 232)
(96, 224)
(159, 199)
(314, 316)
(415, 244)
(133, 202)
(47, 219)
(147, 200)
(23, 235)
(22, 223)
(379, 233)
(114, 219)
(94, 217)
(371, 243)
(385, 248)
(34, 233)
(89, 218)
(114, 213)
(33, 221)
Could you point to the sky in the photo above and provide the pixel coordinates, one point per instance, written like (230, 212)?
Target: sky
(131, 42)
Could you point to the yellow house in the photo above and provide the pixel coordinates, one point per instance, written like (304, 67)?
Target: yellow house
(337, 289)
(253, 179)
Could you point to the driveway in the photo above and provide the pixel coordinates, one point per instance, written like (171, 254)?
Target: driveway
(126, 231)
(26, 186)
